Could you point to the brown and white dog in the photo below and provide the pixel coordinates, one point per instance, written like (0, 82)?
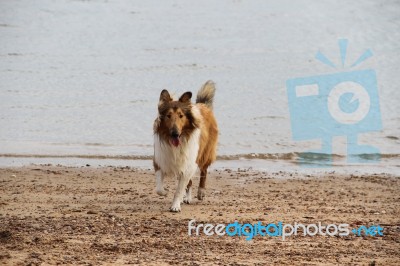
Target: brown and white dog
(185, 137)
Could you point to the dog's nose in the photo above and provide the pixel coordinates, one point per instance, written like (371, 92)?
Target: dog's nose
(174, 134)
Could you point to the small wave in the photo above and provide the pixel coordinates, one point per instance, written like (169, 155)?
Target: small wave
(80, 156)
(249, 156)
(262, 156)
(393, 155)
(268, 117)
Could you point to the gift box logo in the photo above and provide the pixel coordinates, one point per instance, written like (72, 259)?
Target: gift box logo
(338, 104)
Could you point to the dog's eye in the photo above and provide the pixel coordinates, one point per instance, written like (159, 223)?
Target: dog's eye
(180, 116)
(169, 116)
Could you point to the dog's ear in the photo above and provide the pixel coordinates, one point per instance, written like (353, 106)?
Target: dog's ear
(165, 97)
(185, 98)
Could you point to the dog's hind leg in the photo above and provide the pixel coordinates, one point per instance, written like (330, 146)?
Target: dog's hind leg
(188, 196)
(180, 191)
(202, 186)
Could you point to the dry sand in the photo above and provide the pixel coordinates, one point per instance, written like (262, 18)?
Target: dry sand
(84, 215)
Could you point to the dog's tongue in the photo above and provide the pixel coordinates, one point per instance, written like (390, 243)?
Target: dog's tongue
(175, 141)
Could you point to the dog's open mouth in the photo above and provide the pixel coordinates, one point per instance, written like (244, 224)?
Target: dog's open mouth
(175, 141)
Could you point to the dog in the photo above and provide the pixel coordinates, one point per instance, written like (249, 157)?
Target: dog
(185, 138)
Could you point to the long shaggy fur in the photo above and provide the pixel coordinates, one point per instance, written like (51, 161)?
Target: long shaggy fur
(185, 138)
(206, 94)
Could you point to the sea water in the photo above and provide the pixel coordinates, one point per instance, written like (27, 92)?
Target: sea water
(83, 78)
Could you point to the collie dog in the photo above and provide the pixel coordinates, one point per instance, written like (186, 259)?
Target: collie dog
(185, 137)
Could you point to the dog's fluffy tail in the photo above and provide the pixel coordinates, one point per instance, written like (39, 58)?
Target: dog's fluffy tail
(206, 94)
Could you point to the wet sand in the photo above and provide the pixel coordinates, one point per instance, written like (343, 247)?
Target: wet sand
(110, 215)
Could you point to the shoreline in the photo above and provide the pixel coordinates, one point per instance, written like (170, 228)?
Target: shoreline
(61, 214)
(385, 166)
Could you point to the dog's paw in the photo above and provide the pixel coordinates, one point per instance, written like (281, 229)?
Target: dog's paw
(175, 208)
(201, 193)
(187, 200)
(188, 196)
(162, 192)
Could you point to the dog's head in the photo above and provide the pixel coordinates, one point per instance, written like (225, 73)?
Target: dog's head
(176, 118)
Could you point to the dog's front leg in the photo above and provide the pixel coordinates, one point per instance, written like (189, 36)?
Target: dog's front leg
(187, 198)
(180, 190)
(160, 183)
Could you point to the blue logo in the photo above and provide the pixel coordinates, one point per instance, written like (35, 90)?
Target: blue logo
(338, 104)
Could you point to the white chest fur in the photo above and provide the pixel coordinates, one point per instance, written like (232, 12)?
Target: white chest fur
(179, 160)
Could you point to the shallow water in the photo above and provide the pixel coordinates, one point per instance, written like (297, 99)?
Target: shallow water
(84, 77)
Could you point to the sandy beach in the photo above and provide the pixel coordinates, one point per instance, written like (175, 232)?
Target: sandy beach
(112, 215)
(80, 82)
